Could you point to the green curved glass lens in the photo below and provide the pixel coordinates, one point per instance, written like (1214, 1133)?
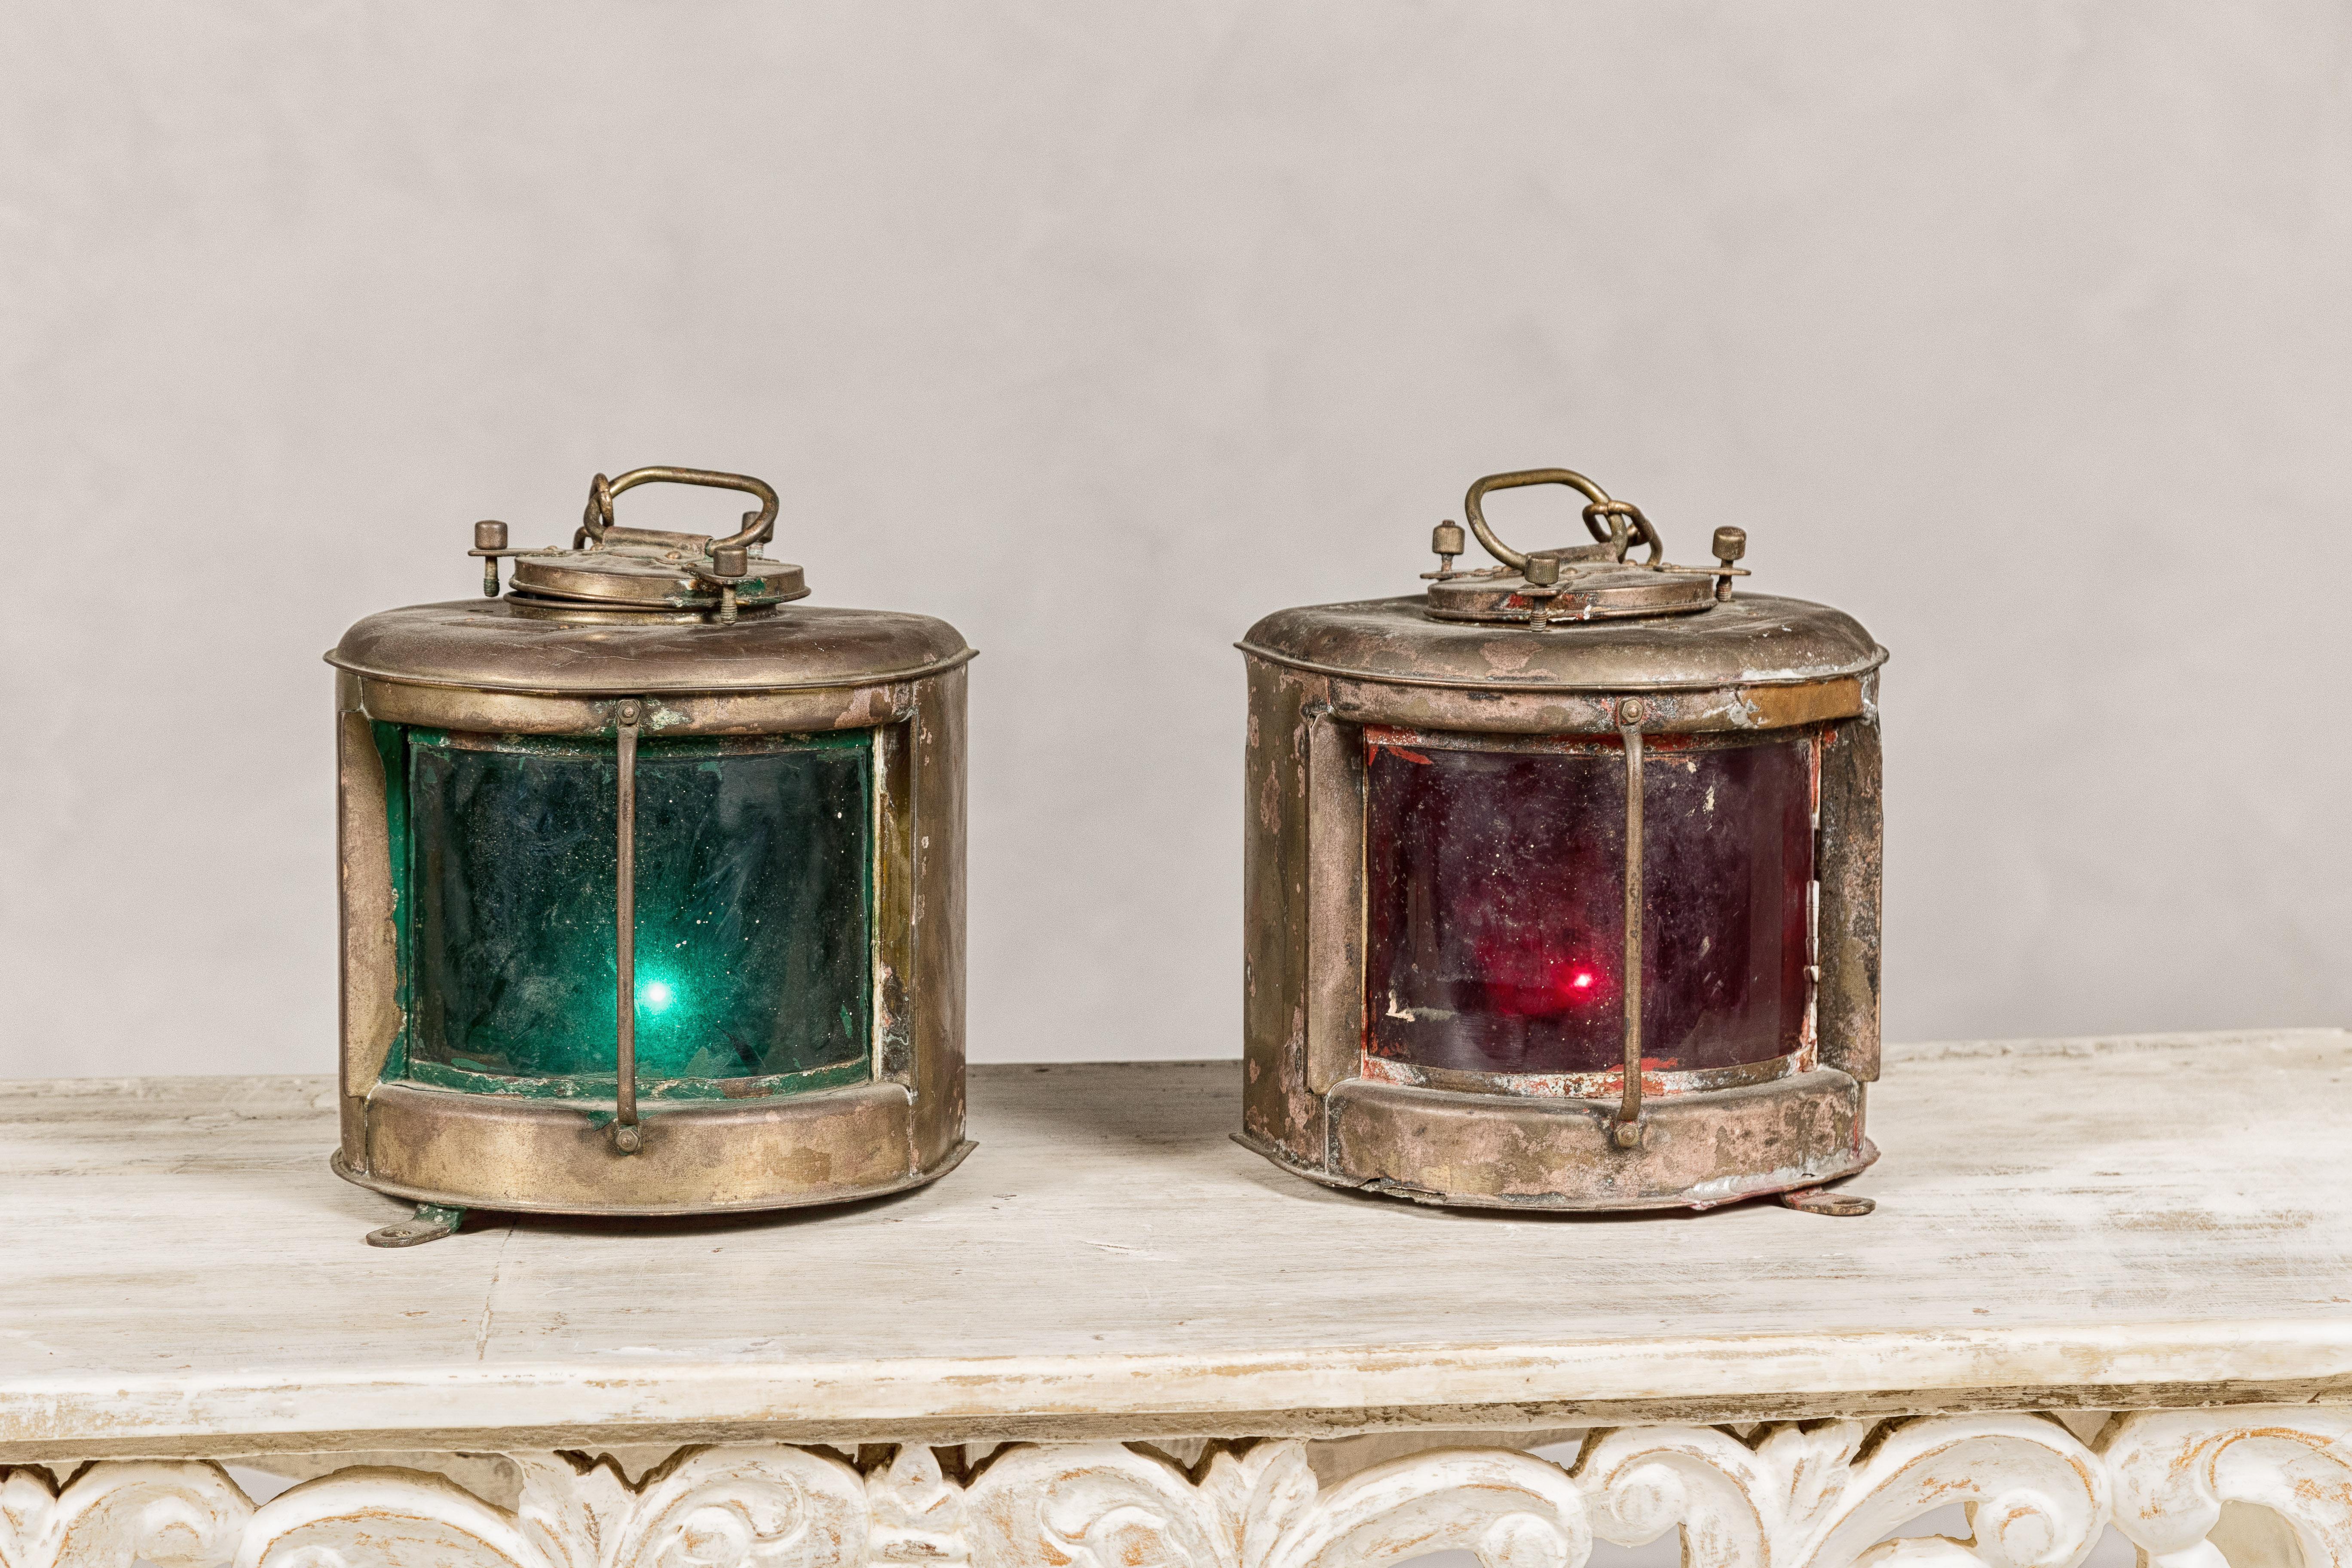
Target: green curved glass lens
(753, 925)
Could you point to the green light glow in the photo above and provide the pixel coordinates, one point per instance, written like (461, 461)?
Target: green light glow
(752, 957)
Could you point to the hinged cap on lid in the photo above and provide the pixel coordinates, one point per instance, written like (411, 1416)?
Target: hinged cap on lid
(1572, 583)
(635, 612)
(615, 568)
(1622, 625)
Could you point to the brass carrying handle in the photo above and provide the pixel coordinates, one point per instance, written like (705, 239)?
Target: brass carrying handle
(757, 527)
(1636, 528)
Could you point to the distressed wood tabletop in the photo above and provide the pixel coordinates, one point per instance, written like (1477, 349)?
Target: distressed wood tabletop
(2145, 1221)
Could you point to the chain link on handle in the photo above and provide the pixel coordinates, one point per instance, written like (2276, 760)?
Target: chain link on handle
(1624, 527)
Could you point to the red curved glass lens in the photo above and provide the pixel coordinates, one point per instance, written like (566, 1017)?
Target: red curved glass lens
(1498, 908)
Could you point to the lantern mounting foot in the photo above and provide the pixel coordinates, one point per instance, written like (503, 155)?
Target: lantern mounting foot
(430, 1223)
(1821, 1200)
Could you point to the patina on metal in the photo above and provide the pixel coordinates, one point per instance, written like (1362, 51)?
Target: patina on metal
(1627, 1132)
(1595, 648)
(628, 639)
(626, 1135)
(1579, 583)
(650, 568)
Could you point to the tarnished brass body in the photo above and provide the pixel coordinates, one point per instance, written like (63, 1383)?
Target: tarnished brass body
(510, 667)
(1315, 1103)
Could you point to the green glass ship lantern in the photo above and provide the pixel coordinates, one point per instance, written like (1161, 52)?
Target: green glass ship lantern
(652, 884)
(1562, 882)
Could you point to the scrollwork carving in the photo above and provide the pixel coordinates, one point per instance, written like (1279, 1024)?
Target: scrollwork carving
(1790, 1495)
(916, 1515)
(2175, 1470)
(171, 1513)
(372, 1517)
(1103, 1505)
(1822, 1494)
(1089, 1505)
(747, 1506)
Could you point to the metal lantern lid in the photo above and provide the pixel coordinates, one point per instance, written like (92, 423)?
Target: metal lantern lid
(646, 612)
(1615, 623)
(652, 568)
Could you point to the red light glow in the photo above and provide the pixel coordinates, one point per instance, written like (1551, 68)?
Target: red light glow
(1583, 981)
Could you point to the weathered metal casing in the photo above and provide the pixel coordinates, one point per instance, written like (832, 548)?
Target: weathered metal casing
(1315, 1104)
(516, 666)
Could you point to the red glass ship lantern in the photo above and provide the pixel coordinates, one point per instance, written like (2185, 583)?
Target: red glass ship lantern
(1562, 887)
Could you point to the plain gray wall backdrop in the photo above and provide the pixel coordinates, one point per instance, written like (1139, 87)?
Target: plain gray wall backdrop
(2022, 332)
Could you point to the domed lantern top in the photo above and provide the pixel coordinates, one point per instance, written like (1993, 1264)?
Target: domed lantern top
(1638, 624)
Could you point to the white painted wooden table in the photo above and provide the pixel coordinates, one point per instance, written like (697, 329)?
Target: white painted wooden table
(1113, 1338)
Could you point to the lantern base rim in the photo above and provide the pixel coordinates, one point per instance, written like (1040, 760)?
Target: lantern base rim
(1699, 1151)
(954, 1157)
(521, 1155)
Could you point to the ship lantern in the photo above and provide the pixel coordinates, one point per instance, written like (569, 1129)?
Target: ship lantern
(652, 883)
(1562, 880)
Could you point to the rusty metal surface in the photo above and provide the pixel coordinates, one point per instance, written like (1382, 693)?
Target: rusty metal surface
(1570, 583)
(496, 644)
(934, 830)
(625, 1136)
(503, 1152)
(1696, 1151)
(1827, 1202)
(758, 527)
(370, 1016)
(646, 568)
(1277, 1106)
(1335, 898)
(674, 570)
(790, 711)
(1558, 591)
(1627, 1131)
(1583, 1085)
(1849, 864)
(1750, 639)
(1489, 711)
(1473, 509)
